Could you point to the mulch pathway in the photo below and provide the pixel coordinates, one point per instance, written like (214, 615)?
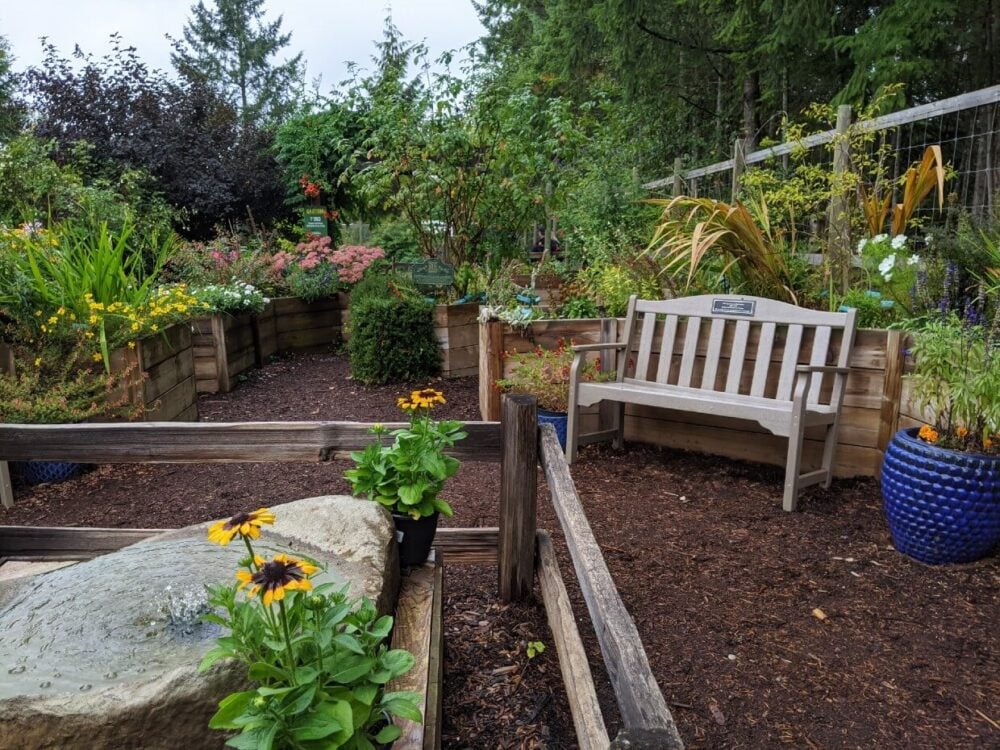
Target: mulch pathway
(763, 628)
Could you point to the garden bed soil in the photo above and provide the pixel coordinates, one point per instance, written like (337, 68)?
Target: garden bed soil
(763, 628)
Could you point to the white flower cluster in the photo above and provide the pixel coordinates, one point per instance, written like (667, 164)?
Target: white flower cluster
(235, 297)
(897, 243)
(886, 266)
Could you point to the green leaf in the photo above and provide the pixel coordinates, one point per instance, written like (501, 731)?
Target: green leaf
(296, 704)
(250, 740)
(262, 671)
(382, 627)
(230, 707)
(398, 661)
(389, 733)
(349, 642)
(348, 670)
(213, 656)
(405, 708)
(365, 694)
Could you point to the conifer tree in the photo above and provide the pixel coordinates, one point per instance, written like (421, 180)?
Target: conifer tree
(231, 47)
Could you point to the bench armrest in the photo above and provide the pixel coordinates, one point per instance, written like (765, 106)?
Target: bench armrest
(822, 369)
(598, 347)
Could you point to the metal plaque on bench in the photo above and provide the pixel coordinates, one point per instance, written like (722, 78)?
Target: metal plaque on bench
(745, 307)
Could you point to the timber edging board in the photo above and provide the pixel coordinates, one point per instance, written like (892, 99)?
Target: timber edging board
(640, 702)
(214, 442)
(168, 390)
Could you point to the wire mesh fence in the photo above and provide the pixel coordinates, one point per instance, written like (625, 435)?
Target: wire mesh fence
(967, 128)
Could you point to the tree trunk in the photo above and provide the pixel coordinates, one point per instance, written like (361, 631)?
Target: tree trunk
(751, 111)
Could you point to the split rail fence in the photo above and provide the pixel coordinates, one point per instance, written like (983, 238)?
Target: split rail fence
(516, 547)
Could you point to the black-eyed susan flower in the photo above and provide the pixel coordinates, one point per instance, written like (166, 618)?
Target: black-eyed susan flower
(275, 577)
(246, 525)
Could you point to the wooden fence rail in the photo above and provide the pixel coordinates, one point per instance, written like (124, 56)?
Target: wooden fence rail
(514, 443)
(643, 708)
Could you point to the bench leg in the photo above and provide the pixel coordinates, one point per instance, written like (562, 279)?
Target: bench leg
(619, 426)
(794, 459)
(829, 447)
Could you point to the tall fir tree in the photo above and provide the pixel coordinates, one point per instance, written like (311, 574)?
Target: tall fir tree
(231, 47)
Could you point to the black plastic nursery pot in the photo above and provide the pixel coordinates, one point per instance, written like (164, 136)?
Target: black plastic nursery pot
(416, 537)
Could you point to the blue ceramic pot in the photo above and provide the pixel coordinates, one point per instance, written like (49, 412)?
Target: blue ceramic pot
(942, 506)
(40, 472)
(557, 419)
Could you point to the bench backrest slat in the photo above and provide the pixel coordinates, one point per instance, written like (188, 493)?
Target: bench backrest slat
(690, 352)
(736, 356)
(666, 345)
(820, 351)
(746, 345)
(645, 346)
(762, 360)
(715, 335)
(790, 358)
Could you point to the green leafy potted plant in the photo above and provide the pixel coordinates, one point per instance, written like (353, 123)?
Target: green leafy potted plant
(544, 374)
(408, 474)
(941, 482)
(317, 660)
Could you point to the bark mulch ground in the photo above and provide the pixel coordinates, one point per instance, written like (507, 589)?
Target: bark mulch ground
(763, 628)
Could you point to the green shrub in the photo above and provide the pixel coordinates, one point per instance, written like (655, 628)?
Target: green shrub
(392, 333)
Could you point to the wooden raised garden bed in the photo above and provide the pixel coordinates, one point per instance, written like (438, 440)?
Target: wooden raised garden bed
(225, 345)
(168, 390)
(869, 419)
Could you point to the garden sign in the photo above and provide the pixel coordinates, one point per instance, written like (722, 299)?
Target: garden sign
(314, 221)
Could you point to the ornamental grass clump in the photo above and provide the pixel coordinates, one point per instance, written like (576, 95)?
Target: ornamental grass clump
(544, 374)
(956, 384)
(408, 474)
(318, 660)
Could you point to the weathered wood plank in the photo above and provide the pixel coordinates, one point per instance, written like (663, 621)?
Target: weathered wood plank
(640, 701)
(580, 691)
(518, 496)
(435, 667)
(66, 542)
(491, 349)
(173, 402)
(213, 442)
(412, 631)
(6, 488)
(158, 347)
(168, 373)
(892, 388)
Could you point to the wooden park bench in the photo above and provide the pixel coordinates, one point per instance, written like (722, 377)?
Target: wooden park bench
(760, 360)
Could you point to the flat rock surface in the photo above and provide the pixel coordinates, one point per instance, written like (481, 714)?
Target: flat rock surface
(109, 648)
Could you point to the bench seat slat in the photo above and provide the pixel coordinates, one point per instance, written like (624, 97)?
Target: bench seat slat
(793, 342)
(772, 414)
(817, 358)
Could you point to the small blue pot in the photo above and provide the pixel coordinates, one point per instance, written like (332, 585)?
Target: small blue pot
(40, 472)
(557, 419)
(942, 506)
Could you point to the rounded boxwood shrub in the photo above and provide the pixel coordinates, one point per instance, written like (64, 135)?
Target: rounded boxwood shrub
(392, 333)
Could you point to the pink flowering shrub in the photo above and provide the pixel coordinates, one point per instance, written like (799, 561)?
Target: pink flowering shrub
(352, 260)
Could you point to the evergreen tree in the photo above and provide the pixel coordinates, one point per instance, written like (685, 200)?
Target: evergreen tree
(231, 47)
(11, 112)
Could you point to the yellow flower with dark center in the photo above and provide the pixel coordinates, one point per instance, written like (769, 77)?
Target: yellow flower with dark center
(242, 524)
(276, 576)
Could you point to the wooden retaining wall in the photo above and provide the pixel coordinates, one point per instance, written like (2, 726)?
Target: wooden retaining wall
(870, 415)
(168, 390)
(227, 345)
(457, 330)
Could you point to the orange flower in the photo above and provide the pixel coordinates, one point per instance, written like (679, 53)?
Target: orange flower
(928, 434)
(961, 432)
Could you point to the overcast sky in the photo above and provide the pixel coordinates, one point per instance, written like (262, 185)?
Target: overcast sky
(329, 32)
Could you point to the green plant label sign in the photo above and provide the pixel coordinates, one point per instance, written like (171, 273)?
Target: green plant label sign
(745, 307)
(433, 272)
(314, 221)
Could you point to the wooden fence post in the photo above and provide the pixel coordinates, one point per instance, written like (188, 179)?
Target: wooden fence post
(677, 177)
(840, 222)
(739, 166)
(518, 496)
(490, 368)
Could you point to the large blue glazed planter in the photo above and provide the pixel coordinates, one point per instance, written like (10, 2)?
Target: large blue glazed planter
(557, 419)
(40, 472)
(942, 506)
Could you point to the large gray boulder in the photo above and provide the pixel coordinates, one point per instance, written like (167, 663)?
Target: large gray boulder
(104, 653)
